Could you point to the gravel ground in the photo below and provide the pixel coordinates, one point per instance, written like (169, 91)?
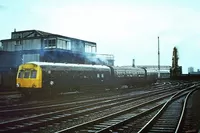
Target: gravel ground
(196, 110)
(192, 122)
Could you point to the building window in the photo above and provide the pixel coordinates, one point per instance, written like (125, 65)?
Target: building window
(93, 50)
(45, 42)
(50, 43)
(68, 45)
(64, 44)
(18, 42)
(90, 48)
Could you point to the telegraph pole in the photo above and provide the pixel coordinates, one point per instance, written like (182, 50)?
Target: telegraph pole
(158, 58)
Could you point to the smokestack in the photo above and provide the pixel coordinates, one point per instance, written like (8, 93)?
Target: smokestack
(133, 65)
(15, 30)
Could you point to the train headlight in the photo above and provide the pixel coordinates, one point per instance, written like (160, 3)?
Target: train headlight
(51, 82)
(49, 72)
(17, 85)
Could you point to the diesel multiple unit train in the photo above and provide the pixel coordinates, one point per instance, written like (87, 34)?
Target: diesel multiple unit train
(63, 77)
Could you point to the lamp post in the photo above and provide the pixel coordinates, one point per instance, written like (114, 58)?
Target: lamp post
(158, 58)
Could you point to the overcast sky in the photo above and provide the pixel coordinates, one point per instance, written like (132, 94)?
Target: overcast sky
(125, 28)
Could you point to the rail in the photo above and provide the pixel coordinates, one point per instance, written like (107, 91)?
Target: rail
(150, 124)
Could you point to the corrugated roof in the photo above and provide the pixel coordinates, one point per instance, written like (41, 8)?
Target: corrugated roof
(45, 34)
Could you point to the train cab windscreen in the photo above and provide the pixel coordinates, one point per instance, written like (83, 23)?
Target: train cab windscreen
(27, 74)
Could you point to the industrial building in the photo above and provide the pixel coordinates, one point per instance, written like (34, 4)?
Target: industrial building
(193, 72)
(35, 45)
(190, 69)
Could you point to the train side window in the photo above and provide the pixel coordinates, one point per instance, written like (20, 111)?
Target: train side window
(21, 73)
(33, 74)
(102, 75)
(26, 74)
(98, 75)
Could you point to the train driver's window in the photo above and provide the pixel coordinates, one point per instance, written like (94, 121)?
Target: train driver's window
(26, 74)
(33, 73)
(21, 73)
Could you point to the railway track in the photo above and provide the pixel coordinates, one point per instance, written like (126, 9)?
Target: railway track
(20, 124)
(74, 115)
(119, 123)
(42, 109)
(7, 98)
(63, 98)
(32, 104)
(190, 118)
(170, 117)
(58, 118)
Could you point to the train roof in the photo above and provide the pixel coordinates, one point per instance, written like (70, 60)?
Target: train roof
(68, 65)
(128, 67)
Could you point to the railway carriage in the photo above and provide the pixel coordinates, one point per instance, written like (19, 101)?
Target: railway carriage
(54, 78)
(60, 77)
(152, 75)
(128, 75)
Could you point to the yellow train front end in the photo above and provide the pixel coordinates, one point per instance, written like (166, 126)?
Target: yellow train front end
(29, 78)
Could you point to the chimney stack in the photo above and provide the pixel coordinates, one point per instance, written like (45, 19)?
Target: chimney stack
(133, 65)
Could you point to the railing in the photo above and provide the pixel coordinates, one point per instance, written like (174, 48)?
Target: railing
(155, 67)
(107, 56)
